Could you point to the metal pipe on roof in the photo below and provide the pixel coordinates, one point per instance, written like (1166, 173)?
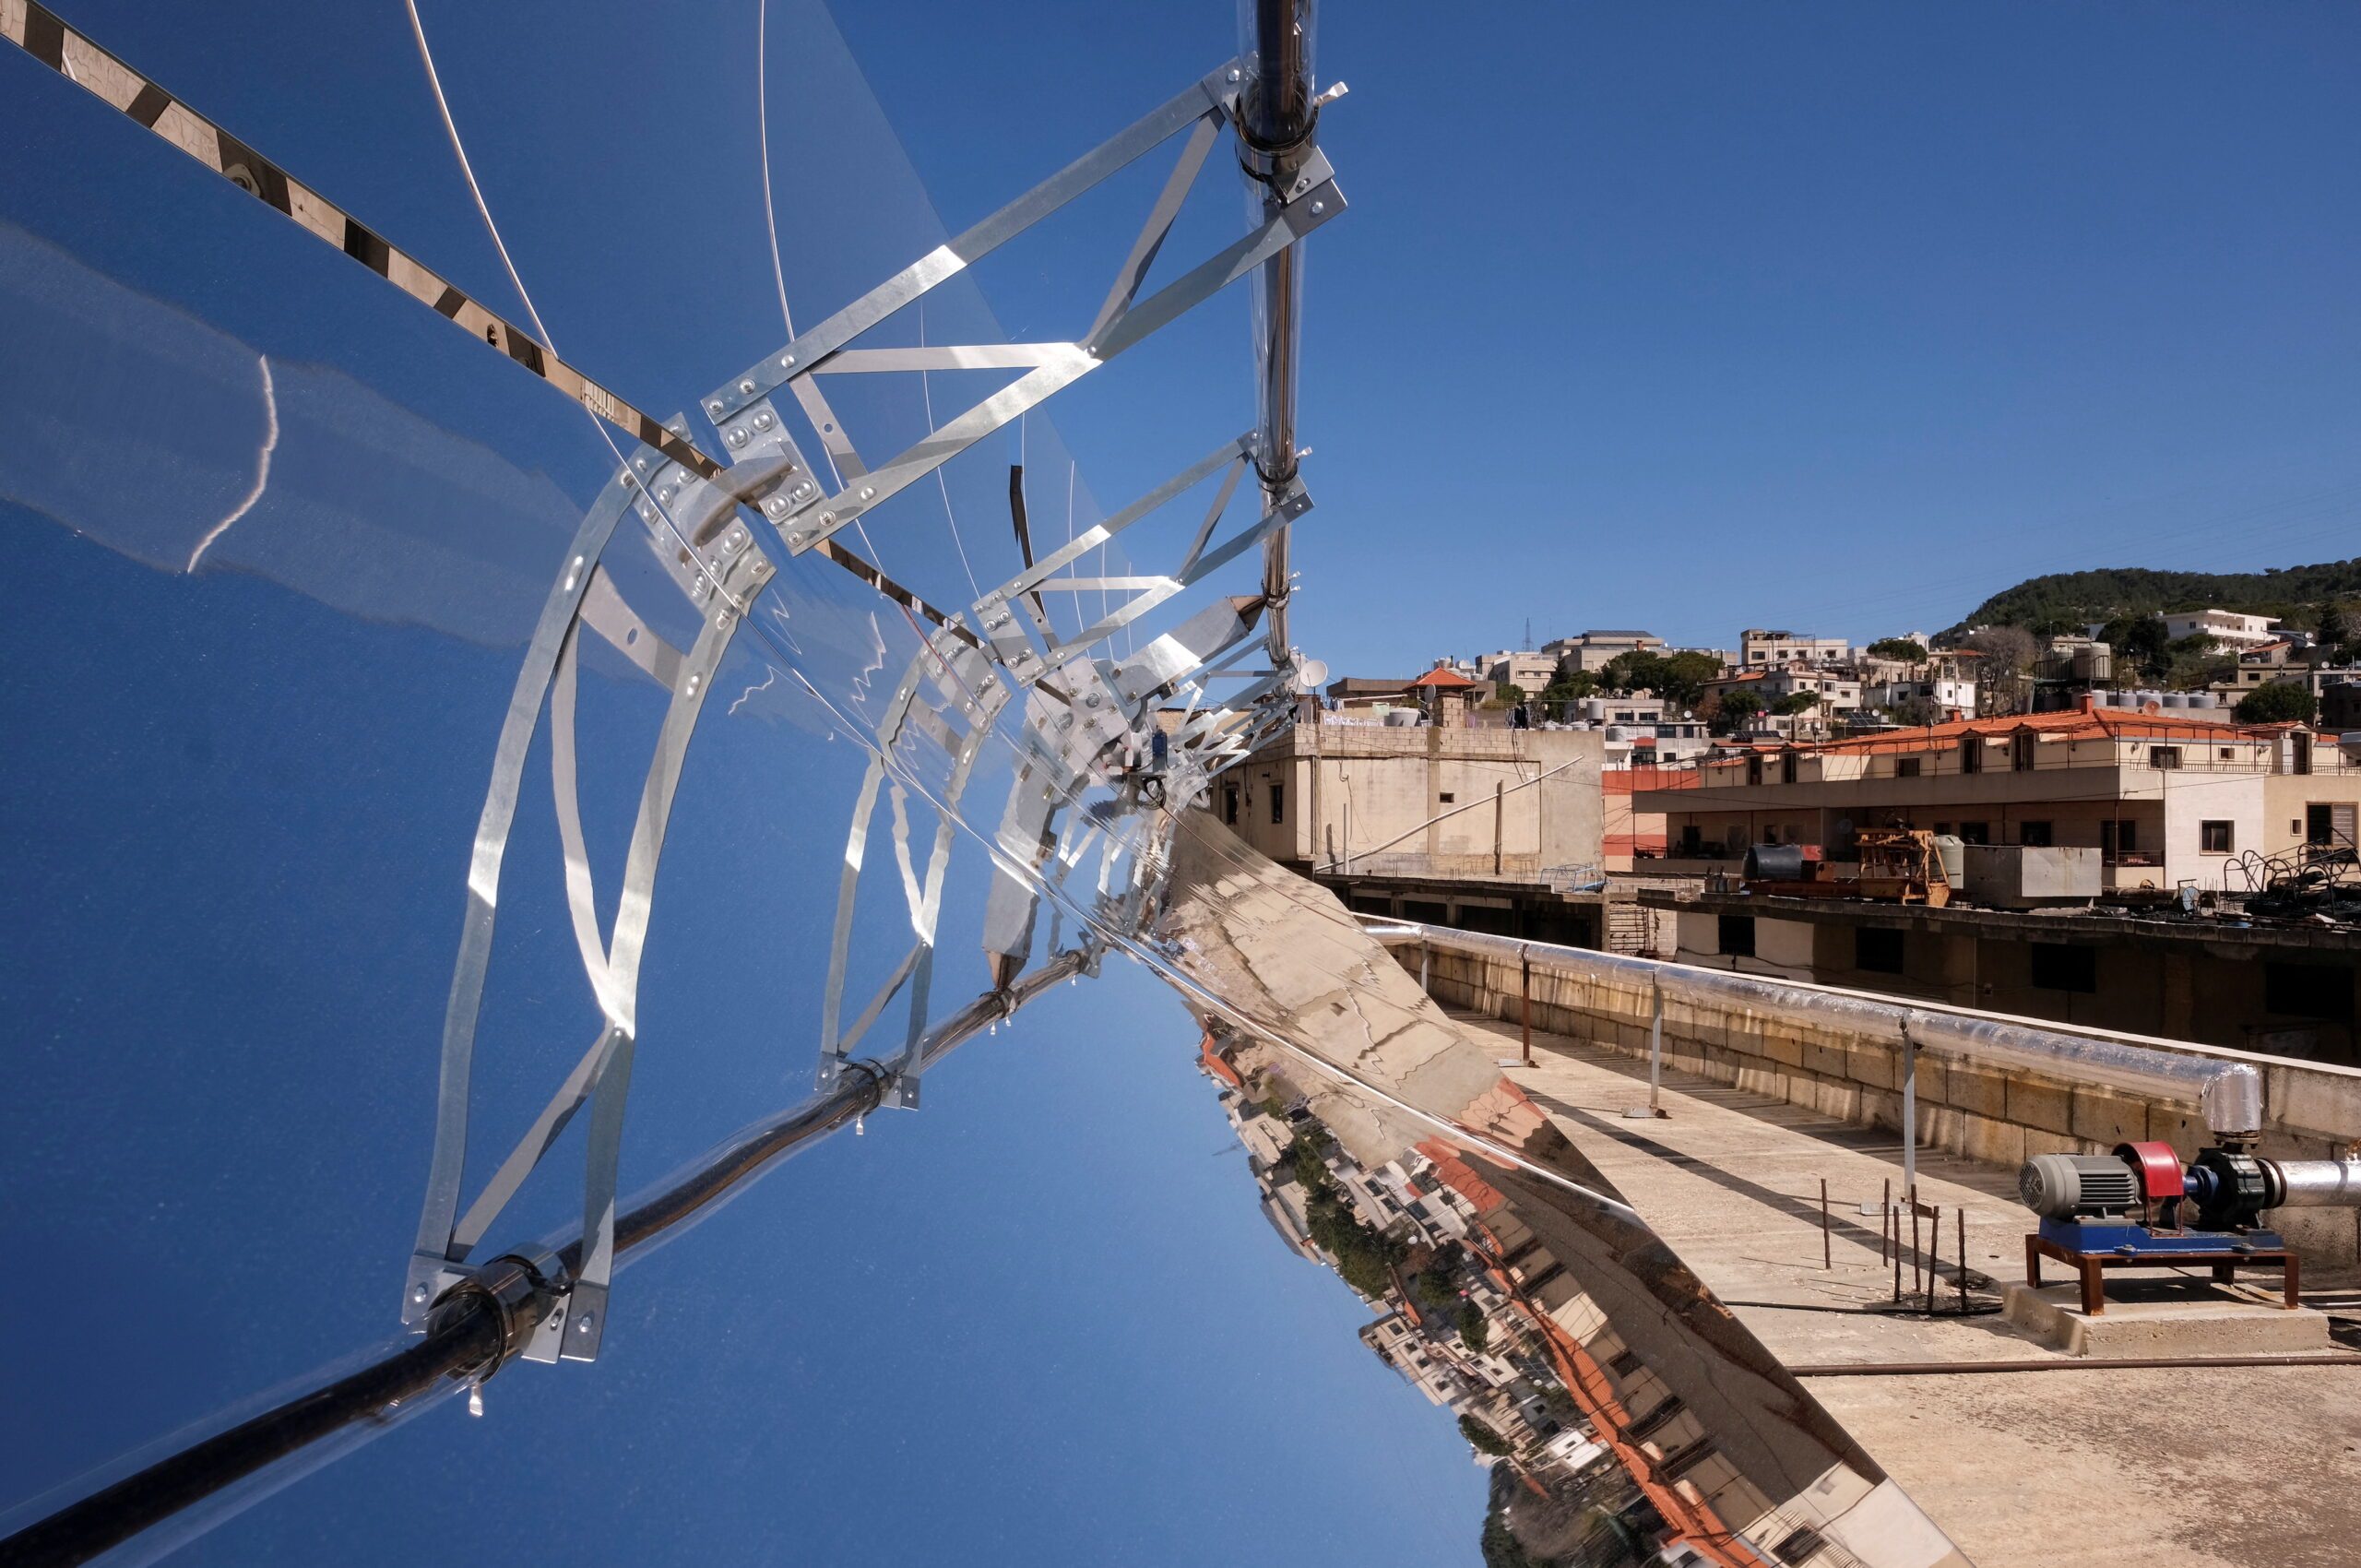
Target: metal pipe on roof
(1275, 124)
(2229, 1094)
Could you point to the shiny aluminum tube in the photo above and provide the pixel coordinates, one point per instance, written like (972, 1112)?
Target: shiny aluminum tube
(2228, 1093)
(1276, 124)
(479, 1325)
(2318, 1183)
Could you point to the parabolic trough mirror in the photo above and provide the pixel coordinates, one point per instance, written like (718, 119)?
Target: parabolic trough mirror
(519, 725)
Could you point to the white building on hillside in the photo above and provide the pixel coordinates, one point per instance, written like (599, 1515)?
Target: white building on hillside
(2225, 627)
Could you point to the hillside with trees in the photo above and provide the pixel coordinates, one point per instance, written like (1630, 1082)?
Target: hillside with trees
(2064, 602)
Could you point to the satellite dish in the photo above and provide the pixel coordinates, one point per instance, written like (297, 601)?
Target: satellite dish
(1311, 674)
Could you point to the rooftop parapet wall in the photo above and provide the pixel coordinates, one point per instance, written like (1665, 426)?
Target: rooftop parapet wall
(1852, 1070)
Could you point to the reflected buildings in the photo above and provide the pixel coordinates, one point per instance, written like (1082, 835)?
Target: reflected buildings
(1628, 1415)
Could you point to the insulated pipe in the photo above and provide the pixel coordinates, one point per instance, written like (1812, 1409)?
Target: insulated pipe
(2318, 1183)
(1275, 129)
(484, 1323)
(2229, 1093)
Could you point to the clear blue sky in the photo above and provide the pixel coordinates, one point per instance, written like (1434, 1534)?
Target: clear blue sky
(1696, 318)
(1042, 1320)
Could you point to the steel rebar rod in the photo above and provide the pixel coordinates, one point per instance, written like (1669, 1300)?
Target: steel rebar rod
(475, 1330)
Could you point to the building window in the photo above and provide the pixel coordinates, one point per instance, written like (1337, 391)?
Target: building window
(2300, 757)
(2118, 838)
(1229, 804)
(1905, 767)
(1798, 1547)
(1971, 754)
(2058, 967)
(1279, 803)
(2163, 756)
(2330, 823)
(2033, 834)
(1788, 768)
(2021, 754)
(2227, 753)
(1736, 935)
(1975, 833)
(1447, 797)
(1876, 950)
(2214, 838)
(2308, 991)
(1754, 767)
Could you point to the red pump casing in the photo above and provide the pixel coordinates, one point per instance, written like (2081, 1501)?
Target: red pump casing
(2157, 1168)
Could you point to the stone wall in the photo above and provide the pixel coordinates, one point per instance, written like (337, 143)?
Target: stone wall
(1999, 1116)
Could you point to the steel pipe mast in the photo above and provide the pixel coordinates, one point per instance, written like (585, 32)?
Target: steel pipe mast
(1278, 118)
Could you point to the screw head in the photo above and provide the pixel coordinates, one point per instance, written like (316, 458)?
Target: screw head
(714, 406)
(418, 1293)
(762, 422)
(1319, 206)
(787, 361)
(747, 387)
(583, 1325)
(738, 435)
(1234, 73)
(775, 505)
(868, 492)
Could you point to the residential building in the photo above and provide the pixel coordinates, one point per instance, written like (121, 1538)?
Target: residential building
(2227, 627)
(1592, 650)
(1350, 691)
(1837, 689)
(1943, 695)
(1434, 801)
(1759, 648)
(1528, 672)
(2167, 796)
(1641, 708)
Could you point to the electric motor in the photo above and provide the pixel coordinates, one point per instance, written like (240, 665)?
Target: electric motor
(2068, 1186)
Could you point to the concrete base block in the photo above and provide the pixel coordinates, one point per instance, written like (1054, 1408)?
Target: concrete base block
(2149, 1317)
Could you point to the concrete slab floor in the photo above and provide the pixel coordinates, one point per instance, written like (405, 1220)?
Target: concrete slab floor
(2171, 1468)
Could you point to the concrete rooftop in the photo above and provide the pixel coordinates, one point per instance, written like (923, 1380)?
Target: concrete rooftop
(2069, 1468)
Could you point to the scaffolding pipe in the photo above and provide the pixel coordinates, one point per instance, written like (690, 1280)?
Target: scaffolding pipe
(485, 1322)
(2228, 1093)
(1275, 124)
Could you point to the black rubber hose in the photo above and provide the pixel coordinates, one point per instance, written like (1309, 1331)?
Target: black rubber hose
(463, 1336)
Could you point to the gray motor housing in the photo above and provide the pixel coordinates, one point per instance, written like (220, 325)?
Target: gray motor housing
(2063, 1186)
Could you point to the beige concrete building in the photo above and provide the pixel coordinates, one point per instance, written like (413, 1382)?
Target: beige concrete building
(1761, 649)
(1592, 650)
(1430, 800)
(1528, 672)
(2166, 800)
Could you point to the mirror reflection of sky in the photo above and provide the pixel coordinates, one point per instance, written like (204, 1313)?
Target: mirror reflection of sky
(1041, 1320)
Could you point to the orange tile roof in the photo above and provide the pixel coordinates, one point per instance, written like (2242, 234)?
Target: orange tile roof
(2074, 723)
(1441, 677)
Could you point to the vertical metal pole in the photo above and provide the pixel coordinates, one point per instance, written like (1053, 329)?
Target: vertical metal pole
(1499, 813)
(1525, 965)
(1827, 1256)
(1918, 1256)
(1909, 1116)
(1276, 120)
(1893, 1219)
(1885, 1219)
(1426, 961)
(1655, 1045)
(1962, 1263)
(1348, 836)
